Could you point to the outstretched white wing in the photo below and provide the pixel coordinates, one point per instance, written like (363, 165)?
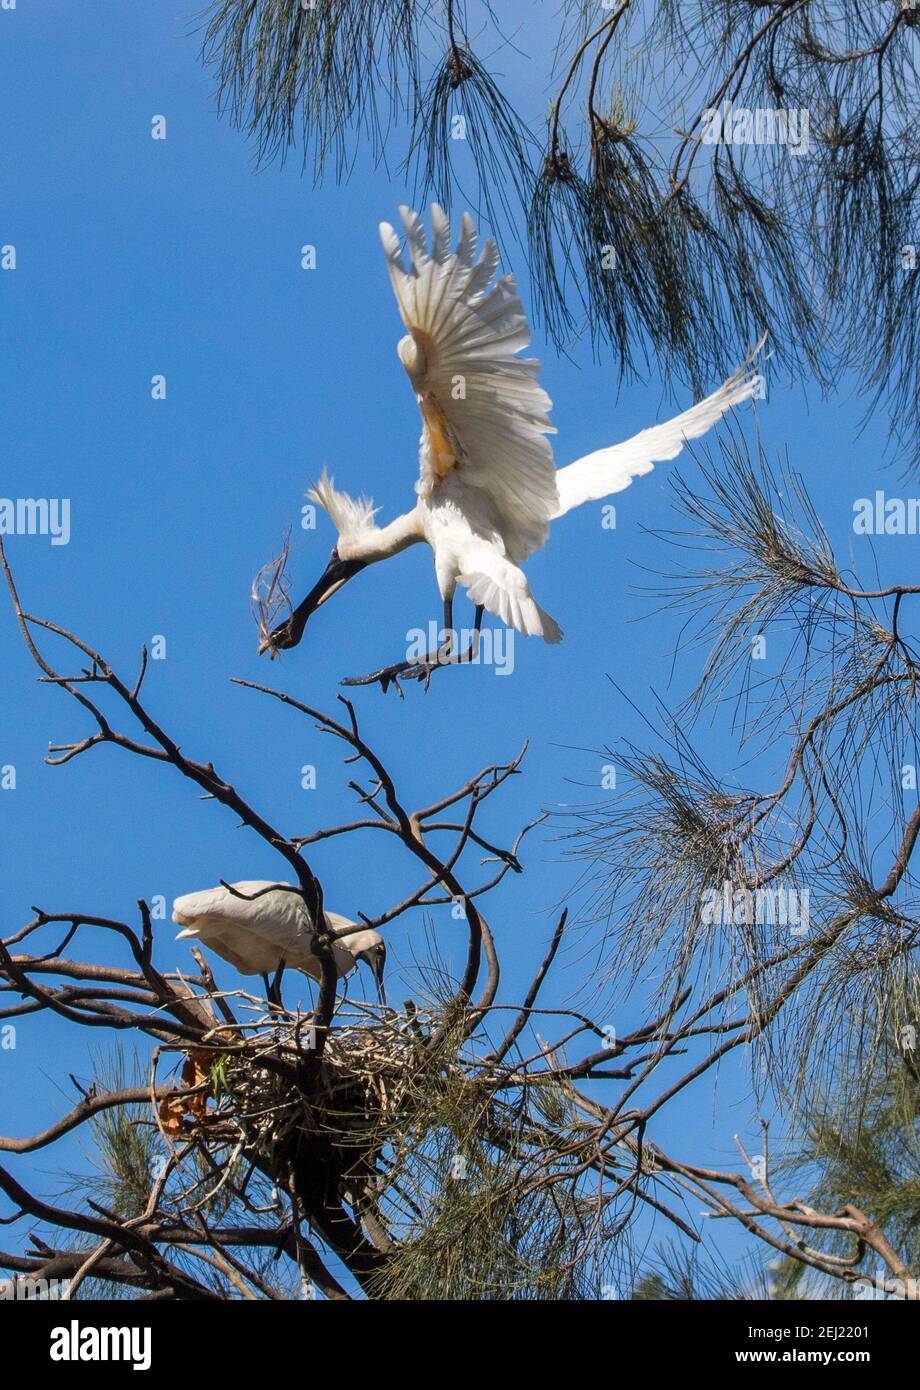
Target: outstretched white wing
(485, 416)
(611, 470)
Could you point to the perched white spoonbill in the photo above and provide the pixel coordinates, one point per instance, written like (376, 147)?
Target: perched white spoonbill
(488, 487)
(267, 925)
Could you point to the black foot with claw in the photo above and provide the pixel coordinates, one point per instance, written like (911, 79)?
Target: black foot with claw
(423, 670)
(400, 670)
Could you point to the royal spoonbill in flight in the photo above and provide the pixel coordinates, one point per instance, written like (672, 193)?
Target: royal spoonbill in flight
(488, 488)
(258, 923)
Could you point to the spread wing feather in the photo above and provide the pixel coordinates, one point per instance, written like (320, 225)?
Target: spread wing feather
(610, 470)
(485, 417)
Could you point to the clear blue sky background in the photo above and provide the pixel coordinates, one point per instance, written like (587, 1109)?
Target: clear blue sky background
(138, 257)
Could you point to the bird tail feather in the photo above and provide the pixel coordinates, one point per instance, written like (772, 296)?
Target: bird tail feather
(513, 603)
(194, 905)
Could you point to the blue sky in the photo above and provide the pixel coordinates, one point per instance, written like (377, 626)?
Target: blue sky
(138, 257)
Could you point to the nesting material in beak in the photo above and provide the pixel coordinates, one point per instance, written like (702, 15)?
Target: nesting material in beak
(270, 596)
(289, 633)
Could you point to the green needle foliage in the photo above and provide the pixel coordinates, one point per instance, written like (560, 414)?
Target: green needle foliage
(872, 1159)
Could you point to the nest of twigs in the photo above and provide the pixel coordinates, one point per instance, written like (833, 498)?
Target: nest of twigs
(276, 1096)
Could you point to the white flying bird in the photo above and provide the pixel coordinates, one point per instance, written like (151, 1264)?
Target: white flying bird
(259, 925)
(488, 488)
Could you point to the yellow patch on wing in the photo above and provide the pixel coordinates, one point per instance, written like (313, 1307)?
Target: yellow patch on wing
(440, 451)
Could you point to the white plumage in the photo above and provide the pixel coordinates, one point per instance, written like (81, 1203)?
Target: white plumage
(260, 924)
(484, 414)
(488, 488)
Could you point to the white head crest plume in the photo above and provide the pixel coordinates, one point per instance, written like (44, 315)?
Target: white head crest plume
(350, 516)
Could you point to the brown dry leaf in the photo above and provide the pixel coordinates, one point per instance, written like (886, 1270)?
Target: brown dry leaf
(197, 1072)
(172, 1112)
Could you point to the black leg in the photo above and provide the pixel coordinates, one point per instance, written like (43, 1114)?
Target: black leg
(424, 669)
(273, 986)
(445, 651)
